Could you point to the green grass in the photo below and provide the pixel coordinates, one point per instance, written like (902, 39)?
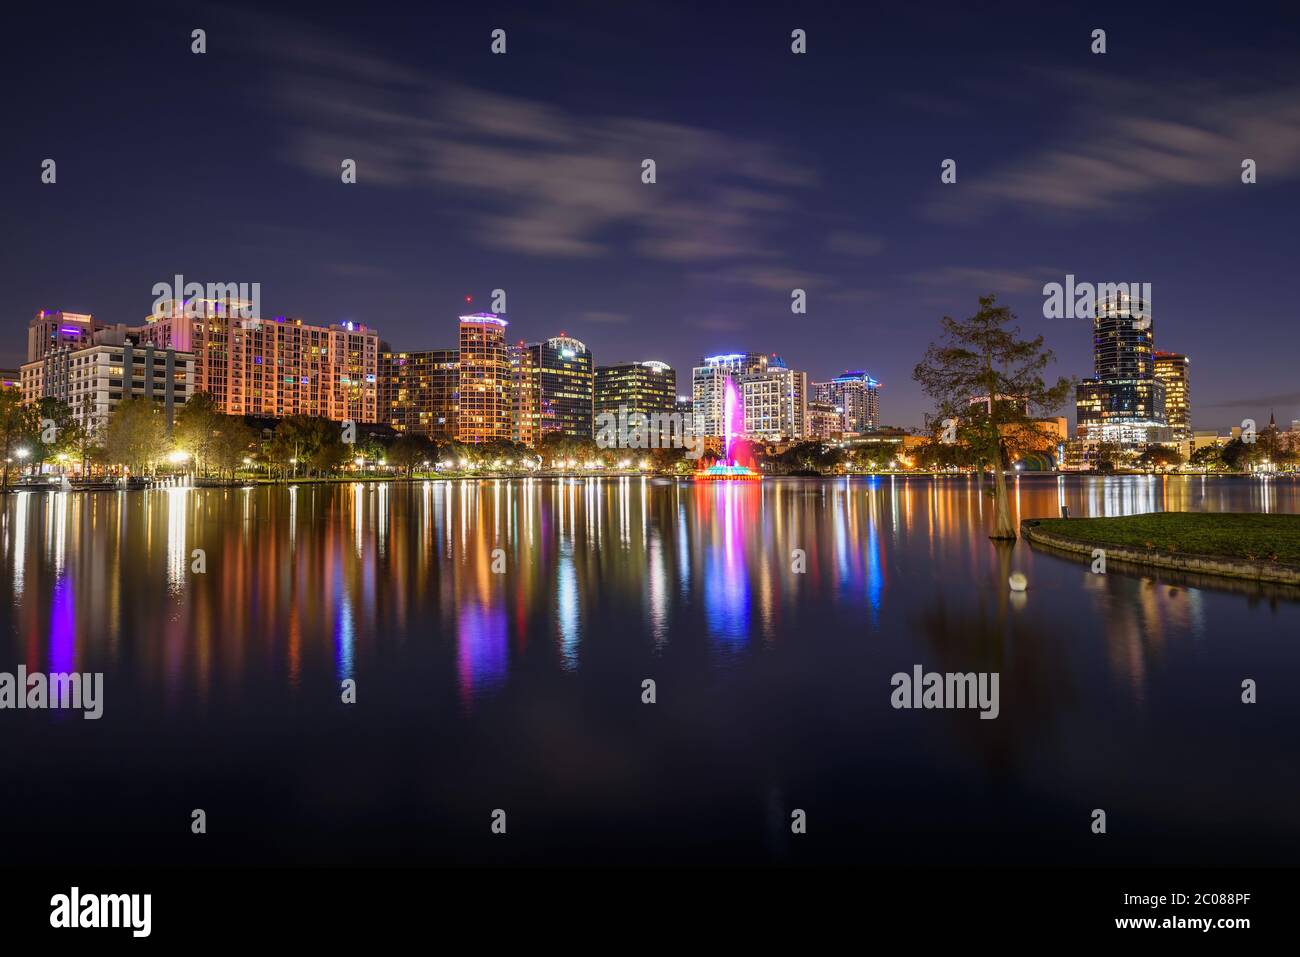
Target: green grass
(1231, 534)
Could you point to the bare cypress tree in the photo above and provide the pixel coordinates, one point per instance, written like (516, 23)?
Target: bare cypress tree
(984, 358)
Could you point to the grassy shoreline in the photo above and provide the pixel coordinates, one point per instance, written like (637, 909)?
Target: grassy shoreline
(1246, 536)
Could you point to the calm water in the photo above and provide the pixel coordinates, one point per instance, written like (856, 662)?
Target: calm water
(522, 690)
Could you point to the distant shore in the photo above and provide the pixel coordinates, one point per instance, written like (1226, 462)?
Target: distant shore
(455, 476)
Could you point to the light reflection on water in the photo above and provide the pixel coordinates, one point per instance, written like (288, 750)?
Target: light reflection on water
(607, 580)
(421, 559)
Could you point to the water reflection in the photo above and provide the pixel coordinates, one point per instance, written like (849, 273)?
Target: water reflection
(313, 582)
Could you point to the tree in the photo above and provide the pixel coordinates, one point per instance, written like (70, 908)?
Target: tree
(1160, 456)
(556, 447)
(671, 459)
(410, 451)
(984, 356)
(937, 455)
(1109, 456)
(197, 424)
(230, 445)
(370, 449)
(55, 431)
(135, 435)
(314, 444)
(1236, 455)
(1208, 457)
(85, 438)
(17, 422)
(816, 457)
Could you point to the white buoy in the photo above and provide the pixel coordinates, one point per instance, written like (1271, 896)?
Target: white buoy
(1018, 581)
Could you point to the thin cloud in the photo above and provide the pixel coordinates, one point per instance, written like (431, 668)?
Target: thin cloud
(854, 244)
(986, 280)
(1125, 146)
(538, 179)
(1281, 400)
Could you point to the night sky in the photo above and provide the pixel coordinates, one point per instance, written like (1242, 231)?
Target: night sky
(775, 171)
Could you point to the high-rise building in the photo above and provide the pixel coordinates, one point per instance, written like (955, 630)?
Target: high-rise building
(1123, 339)
(709, 385)
(1172, 370)
(272, 367)
(645, 387)
(526, 394)
(417, 391)
(554, 389)
(857, 397)
(1124, 402)
(53, 329)
(775, 403)
(116, 365)
(485, 392)
(823, 422)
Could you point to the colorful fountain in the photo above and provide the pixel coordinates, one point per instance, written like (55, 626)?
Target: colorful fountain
(728, 470)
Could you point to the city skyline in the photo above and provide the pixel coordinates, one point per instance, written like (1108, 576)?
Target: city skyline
(816, 389)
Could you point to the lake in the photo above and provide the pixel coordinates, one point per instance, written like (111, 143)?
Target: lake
(499, 634)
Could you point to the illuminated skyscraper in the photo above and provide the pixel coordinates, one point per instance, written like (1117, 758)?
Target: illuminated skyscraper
(417, 391)
(526, 379)
(554, 383)
(644, 387)
(1172, 370)
(857, 398)
(485, 395)
(1124, 403)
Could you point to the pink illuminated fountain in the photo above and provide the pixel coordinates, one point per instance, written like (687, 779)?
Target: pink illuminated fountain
(732, 414)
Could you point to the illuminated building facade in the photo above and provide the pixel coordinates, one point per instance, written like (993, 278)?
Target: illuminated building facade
(273, 367)
(526, 385)
(53, 329)
(1124, 402)
(775, 403)
(644, 387)
(417, 391)
(554, 389)
(823, 422)
(484, 397)
(118, 365)
(857, 397)
(709, 385)
(1172, 370)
